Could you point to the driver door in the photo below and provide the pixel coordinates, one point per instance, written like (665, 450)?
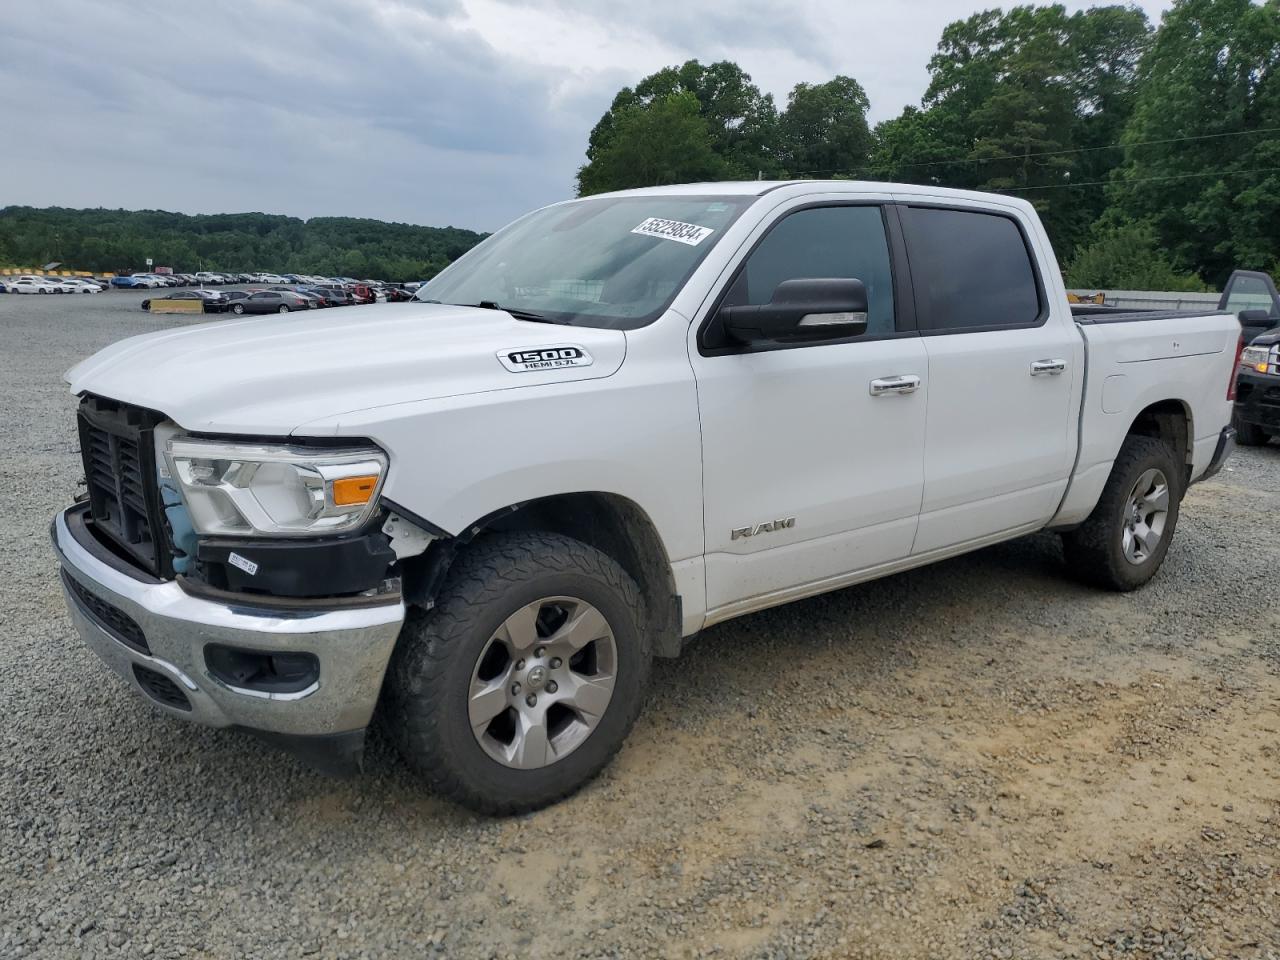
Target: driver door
(813, 471)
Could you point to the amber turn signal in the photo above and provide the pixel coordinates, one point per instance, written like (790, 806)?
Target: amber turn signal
(350, 491)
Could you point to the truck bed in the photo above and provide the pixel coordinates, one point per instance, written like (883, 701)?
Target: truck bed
(1095, 313)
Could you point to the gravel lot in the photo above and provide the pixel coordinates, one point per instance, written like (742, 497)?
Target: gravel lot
(978, 759)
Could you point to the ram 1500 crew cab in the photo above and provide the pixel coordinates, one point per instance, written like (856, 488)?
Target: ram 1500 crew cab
(612, 424)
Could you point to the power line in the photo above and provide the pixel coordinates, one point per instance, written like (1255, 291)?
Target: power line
(1054, 153)
(1107, 183)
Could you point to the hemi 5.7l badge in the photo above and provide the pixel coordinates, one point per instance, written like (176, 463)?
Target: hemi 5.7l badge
(544, 358)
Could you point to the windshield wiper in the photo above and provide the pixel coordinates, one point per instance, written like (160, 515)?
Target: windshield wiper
(518, 314)
(494, 305)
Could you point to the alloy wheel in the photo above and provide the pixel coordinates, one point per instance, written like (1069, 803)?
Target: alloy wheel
(543, 682)
(1145, 515)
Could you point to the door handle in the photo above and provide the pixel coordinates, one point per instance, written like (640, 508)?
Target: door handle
(907, 383)
(1051, 368)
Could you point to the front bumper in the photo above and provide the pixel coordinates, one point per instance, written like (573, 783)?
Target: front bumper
(1258, 400)
(352, 646)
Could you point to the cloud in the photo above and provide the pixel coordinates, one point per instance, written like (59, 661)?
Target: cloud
(431, 111)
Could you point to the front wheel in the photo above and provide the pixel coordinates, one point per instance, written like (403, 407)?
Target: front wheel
(1249, 434)
(237, 308)
(1124, 540)
(523, 681)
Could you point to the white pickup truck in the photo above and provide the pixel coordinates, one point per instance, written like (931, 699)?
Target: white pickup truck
(614, 423)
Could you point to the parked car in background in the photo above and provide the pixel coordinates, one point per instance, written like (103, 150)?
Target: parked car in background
(333, 296)
(362, 293)
(205, 276)
(397, 294)
(84, 285)
(270, 301)
(33, 285)
(128, 283)
(186, 295)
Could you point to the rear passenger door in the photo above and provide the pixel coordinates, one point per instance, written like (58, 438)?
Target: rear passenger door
(1000, 435)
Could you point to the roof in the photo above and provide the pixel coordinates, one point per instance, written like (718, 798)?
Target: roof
(748, 188)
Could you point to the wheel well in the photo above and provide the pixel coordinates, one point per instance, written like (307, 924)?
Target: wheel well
(1169, 421)
(612, 524)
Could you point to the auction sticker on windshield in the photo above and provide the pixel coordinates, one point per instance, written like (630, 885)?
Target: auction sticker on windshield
(689, 233)
(544, 358)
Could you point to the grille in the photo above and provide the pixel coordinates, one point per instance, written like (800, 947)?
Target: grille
(117, 623)
(160, 688)
(120, 473)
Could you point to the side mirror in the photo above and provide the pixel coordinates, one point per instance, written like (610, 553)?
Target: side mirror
(800, 310)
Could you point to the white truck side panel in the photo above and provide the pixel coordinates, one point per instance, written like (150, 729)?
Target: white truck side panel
(1135, 364)
(458, 459)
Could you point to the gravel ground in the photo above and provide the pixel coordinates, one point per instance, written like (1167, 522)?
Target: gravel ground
(979, 759)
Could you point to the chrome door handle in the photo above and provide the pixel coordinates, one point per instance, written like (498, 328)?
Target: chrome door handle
(1051, 368)
(901, 384)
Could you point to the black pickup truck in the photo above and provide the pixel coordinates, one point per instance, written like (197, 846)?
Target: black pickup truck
(1253, 298)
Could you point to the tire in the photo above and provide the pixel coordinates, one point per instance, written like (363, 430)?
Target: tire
(42, 290)
(284, 308)
(1099, 551)
(1249, 434)
(445, 655)
(237, 308)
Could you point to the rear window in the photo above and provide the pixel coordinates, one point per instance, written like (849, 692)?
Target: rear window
(970, 270)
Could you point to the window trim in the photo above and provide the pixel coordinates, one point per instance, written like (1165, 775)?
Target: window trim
(904, 313)
(1042, 317)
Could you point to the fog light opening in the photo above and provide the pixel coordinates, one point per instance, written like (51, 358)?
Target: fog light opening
(261, 671)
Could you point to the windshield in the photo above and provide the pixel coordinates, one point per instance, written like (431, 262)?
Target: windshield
(612, 262)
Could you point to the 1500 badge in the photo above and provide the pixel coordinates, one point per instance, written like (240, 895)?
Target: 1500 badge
(544, 358)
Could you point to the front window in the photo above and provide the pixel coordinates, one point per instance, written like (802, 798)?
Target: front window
(613, 262)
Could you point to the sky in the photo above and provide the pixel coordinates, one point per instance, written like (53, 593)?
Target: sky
(440, 112)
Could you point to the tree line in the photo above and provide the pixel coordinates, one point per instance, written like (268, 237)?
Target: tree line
(121, 241)
(1151, 153)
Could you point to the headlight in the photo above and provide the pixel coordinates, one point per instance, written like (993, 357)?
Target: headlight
(233, 489)
(1255, 358)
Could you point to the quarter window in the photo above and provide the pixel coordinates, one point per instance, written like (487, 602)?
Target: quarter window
(970, 270)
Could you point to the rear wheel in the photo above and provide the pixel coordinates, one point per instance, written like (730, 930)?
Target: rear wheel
(284, 308)
(1124, 541)
(523, 681)
(1249, 434)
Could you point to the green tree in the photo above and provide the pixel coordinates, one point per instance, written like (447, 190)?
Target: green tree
(1019, 101)
(664, 141)
(824, 129)
(740, 121)
(1208, 88)
(1126, 256)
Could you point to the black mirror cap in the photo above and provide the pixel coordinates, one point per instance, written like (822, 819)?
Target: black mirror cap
(817, 308)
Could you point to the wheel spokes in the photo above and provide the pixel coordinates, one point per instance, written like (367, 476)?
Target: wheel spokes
(530, 748)
(488, 699)
(584, 625)
(589, 695)
(520, 630)
(1156, 499)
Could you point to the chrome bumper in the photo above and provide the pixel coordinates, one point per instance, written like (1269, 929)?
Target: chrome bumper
(352, 647)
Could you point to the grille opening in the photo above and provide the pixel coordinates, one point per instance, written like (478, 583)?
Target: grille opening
(119, 468)
(116, 622)
(160, 688)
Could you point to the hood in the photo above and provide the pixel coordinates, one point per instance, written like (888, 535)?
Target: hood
(268, 375)
(1266, 339)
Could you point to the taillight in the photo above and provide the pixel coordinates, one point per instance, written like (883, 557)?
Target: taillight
(1235, 370)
